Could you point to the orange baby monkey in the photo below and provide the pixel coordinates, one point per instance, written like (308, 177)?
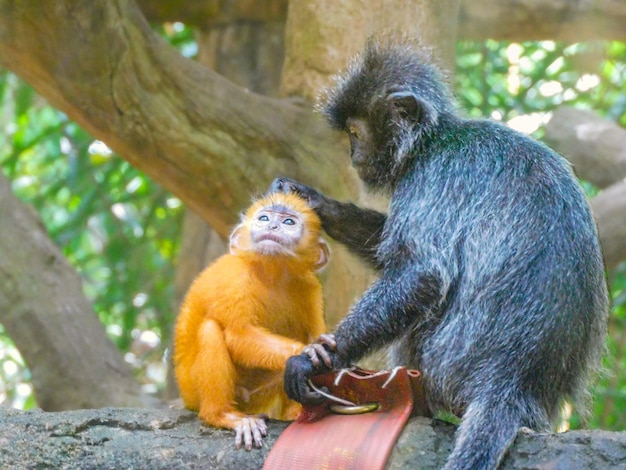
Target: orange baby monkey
(247, 313)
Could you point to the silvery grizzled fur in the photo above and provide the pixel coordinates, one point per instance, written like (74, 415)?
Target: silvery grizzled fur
(491, 279)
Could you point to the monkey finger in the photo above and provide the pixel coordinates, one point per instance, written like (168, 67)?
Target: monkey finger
(249, 430)
(238, 436)
(242, 435)
(258, 430)
(276, 186)
(316, 352)
(261, 423)
(327, 339)
(247, 433)
(298, 370)
(282, 185)
(312, 398)
(287, 185)
(310, 351)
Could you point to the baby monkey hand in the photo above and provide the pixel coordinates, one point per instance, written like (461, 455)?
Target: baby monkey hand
(319, 352)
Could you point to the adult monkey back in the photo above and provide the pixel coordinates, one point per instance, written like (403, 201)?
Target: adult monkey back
(491, 280)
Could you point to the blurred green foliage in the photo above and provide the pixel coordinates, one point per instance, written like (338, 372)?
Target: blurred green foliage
(121, 230)
(509, 80)
(116, 226)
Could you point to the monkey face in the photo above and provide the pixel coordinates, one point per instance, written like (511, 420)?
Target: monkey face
(370, 157)
(275, 230)
(387, 114)
(281, 224)
(360, 142)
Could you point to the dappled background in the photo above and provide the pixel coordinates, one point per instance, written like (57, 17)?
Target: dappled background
(136, 247)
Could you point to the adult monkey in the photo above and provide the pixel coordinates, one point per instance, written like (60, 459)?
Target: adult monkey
(491, 280)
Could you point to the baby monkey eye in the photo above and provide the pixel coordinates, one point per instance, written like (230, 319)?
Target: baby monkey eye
(289, 221)
(263, 218)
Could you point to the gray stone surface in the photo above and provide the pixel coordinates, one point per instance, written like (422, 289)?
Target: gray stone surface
(127, 438)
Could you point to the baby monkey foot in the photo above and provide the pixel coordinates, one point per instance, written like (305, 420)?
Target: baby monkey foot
(249, 431)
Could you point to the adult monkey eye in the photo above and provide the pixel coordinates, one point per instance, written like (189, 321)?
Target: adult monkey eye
(353, 130)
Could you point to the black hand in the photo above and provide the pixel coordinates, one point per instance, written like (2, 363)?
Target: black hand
(298, 371)
(287, 185)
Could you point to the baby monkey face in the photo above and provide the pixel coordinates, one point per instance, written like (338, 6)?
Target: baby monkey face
(276, 230)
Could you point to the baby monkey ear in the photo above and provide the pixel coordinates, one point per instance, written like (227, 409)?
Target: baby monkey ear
(236, 239)
(406, 106)
(324, 255)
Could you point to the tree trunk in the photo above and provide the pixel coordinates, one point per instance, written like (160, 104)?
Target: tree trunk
(43, 308)
(200, 245)
(311, 60)
(536, 20)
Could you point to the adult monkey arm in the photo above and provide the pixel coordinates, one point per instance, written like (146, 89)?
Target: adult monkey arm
(366, 225)
(379, 317)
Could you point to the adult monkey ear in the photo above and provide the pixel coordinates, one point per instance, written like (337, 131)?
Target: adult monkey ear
(406, 106)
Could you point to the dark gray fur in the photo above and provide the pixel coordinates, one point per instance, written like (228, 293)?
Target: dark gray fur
(491, 280)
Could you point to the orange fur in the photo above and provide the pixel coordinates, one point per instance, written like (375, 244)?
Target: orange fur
(243, 317)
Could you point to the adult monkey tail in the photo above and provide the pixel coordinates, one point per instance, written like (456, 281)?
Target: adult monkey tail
(485, 434)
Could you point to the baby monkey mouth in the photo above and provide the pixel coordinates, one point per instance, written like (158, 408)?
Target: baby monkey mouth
(272, 238)
(270, 243)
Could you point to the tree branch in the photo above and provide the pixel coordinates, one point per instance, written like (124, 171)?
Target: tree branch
(203, 13)
(593, 144)
(205, 139)
(533, 20)
(513, 20)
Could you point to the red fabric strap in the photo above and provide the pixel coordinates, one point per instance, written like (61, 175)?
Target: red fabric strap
(321, 439)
